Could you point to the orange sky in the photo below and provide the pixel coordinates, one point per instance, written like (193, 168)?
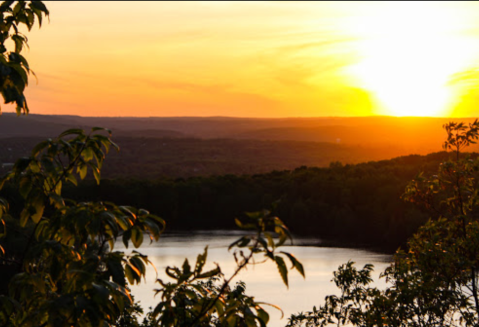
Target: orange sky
(256, 59)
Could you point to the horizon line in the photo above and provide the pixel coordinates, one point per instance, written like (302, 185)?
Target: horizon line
(238, 117)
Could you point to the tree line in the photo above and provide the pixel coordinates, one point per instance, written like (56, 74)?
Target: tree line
(358, 205)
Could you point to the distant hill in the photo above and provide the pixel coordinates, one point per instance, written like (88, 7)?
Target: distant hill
(153, 157)
(51, 126)
(191, 146)
(351, 130)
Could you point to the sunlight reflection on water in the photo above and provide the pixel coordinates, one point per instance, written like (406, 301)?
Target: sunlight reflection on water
(262, 280)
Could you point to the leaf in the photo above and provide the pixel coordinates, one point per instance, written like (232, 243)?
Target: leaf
(82, 170)
(25, 186)
(39, 147)
(18, 7)
(56, 200)
(282, 269)
(263, 316)
(200, 261)
(87, 154)
(96, 174)
(101, 293)
(72, 131)
(139, 265)
(71, 178)
(40, 6)
(159, 220)
(4, 6)
(153, 228)
(186, 267)
(116, 270)
(296, 264)
(130, 275)
(122, 221)
(38, 204)
(126, 237)
(18, 42)
(129, 210)
(242, 242)
(20, 71)
(94, 129)
(24, 215)
(210, 273)
(30, 19)
(4, 227)
(136, 237)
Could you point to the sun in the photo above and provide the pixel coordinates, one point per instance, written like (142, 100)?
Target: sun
(408, 52)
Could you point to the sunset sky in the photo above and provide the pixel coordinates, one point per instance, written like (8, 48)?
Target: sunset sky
(256, 59)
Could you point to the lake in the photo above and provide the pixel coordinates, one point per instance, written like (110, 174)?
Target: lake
(262, 280)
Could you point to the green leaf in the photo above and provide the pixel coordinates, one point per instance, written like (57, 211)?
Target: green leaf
(136, 237)
(87, 154)
(18, 42)
(23, 75)
(130, 275)
(71, 178)
(38, 204)
(139, 265)
(40, 6)
(72, 131)
(94, 129)
(5, 5)
(96, 174)
(56, 200)
(25, 186)
(200, 261)
(242, 242)
(126, 237)
(24, 215)
(82, 170)
(282, 269)
(160, 221)
(295, 262)
(30, 19)
(19, 6)
(210, 273)
(122, 221)
(263, 316)
(4, 227)
(129, 210)
(153, 228)
(186, 267)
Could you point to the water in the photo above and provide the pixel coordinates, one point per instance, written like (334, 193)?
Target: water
(262, 280)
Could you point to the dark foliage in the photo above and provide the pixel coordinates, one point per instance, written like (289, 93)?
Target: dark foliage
(356, 205)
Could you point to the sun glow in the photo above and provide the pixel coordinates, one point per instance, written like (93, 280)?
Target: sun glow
(408, 55)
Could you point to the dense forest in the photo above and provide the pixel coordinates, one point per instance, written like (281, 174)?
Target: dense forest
(352, 204)
(356, 205)
(154, 157)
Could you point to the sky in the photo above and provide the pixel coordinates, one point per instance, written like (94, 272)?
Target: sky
(256, 59)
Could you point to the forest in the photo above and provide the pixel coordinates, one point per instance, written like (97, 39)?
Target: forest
(353, 205)
(357, 205)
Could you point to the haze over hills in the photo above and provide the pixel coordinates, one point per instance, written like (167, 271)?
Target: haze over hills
(188, 146)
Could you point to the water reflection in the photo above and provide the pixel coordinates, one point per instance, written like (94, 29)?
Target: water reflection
(262, 280)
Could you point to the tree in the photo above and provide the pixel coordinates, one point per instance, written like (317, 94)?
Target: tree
(434, 282)
(14, 68)
(67, 272)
